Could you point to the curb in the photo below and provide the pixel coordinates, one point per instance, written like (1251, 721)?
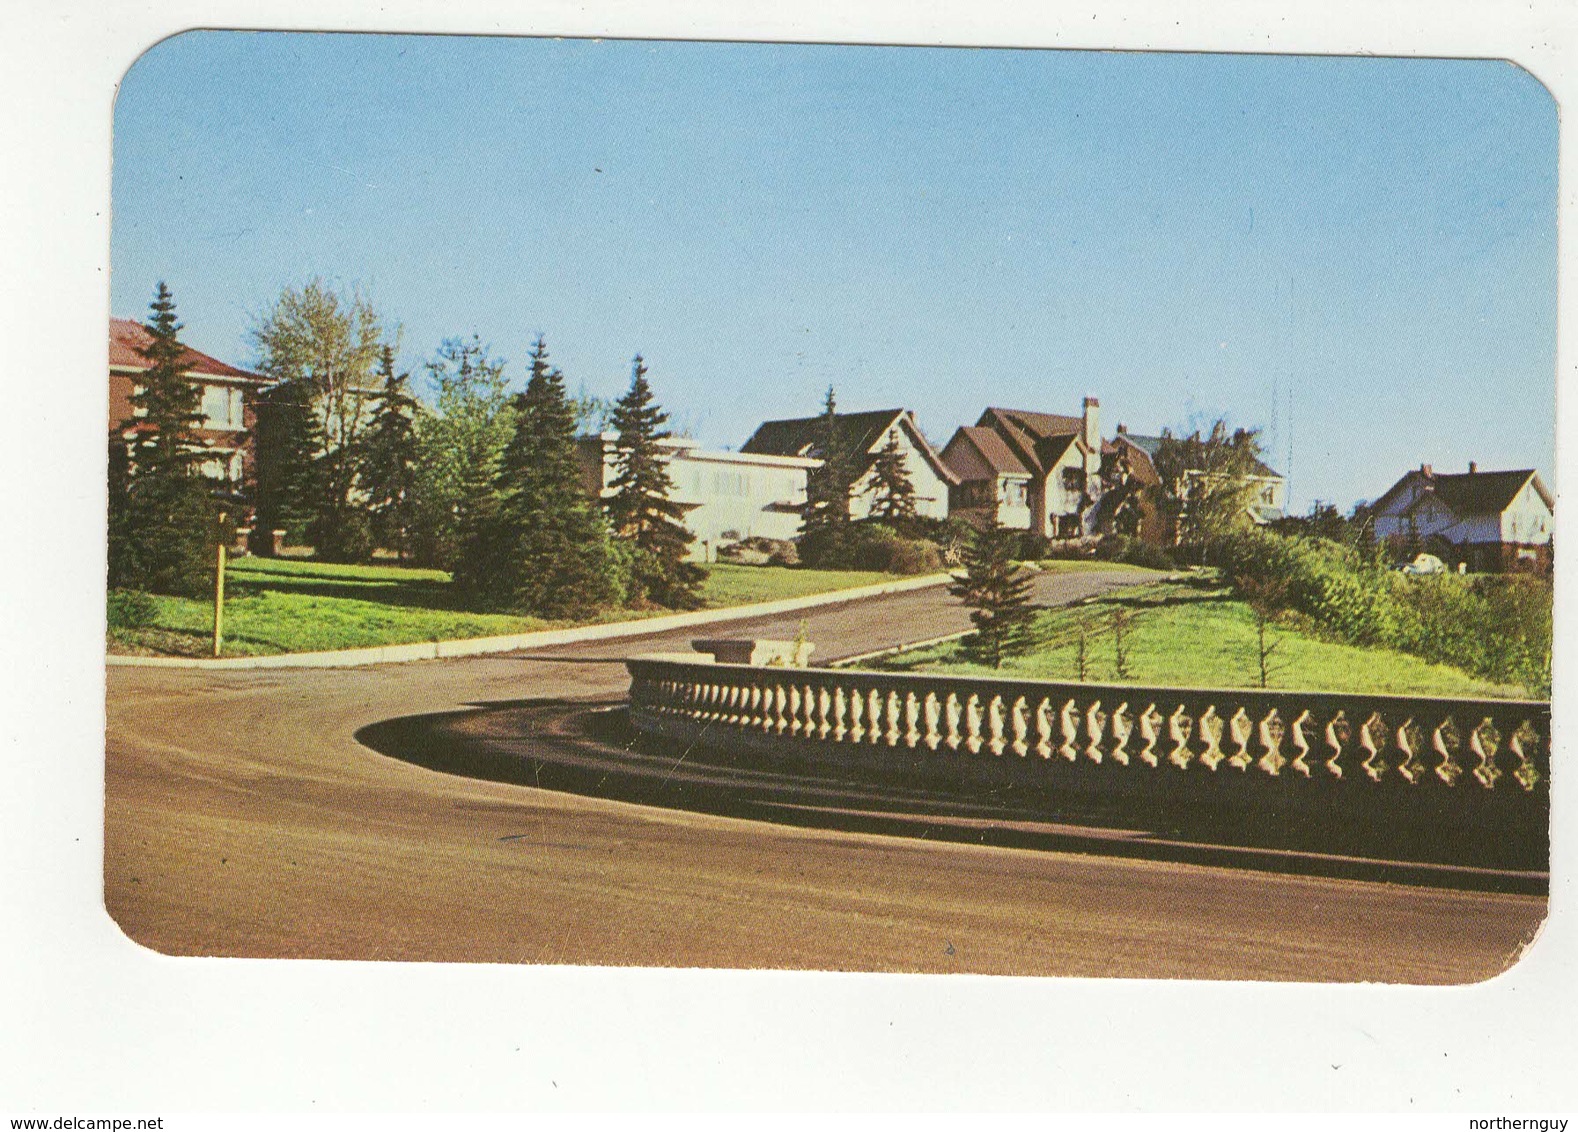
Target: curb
(543, 638)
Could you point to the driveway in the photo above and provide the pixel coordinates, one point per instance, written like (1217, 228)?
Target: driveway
(243, 818)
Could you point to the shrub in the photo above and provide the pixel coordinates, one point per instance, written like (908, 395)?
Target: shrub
(1123, 548)
(869, 546)
(344, 535)
(130, 609)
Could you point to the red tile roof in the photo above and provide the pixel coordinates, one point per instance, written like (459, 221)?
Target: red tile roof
(127, 338)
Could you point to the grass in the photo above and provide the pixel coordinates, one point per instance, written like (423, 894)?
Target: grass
(297, 605)
(1194, 634)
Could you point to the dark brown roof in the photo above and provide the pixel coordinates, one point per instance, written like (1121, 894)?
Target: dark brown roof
(128, 338)
(859, 433)
(977, 453)
(1037, 439)
(1477, 493)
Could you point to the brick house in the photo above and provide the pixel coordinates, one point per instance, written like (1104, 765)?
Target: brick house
(1489, 521)
(228, 402)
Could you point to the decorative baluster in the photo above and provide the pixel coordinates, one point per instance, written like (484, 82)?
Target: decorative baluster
(1373, 738)
(933, 715)
(1484, 741)
(1070, 722)
(912, 709)
(951, 713)
(1150, 720)
(857, 715)
(840, 711)
(1095, 730)
(1180, 726)
(1272, 730)
(1447, 743)
(1338, 732)
(1122, 728)
(1044, 728)
(893, 719)
(1240, 729)
(972, 724)
(996, 738)
(1020, 717)
(1211, 726)
(808, 708)
(873, 716)
(1523, 743)
(736, 702)
(824, 712)
(1301, 743)
(1411, 741)
(753, 708)
(796, 724)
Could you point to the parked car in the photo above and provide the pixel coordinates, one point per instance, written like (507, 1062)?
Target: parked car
(1424, 564)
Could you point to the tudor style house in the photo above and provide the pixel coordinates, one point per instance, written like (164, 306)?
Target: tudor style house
(1489, 521)
(864, 435)
(727, 496)
(228, 402)
(1034, 471)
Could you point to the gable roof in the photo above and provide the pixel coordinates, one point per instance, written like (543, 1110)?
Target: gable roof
(859, 433)
(1037, 439)
(1472, 493)
(977, 453)
(128, 339)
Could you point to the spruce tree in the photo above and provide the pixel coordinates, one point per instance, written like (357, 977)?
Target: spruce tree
(164, 518)
(287, 440)
(545, 549)
(389, 458)
(892, 490)
(825, 520)
(997, 592)
(641, 509)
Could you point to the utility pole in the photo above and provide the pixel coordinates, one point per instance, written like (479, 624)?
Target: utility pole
(219, 587)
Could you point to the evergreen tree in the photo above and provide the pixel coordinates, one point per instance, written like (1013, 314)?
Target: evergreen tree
(544, 548)
(892, 490)
(641, 510)
(828, 490)
(287, 440)
(997, 592)
(163, 519)
(389, 458)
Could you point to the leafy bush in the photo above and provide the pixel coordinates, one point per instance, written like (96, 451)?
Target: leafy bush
(869, 546)
(1497, 627)
(759, 550)
(1123, 548)
(130, 609)
(343, 535)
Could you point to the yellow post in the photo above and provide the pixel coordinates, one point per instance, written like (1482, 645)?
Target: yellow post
(219, 588)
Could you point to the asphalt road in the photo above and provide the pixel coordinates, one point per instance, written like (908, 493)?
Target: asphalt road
(243, 818)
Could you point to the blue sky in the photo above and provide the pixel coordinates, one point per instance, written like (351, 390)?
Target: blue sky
(1357, 255)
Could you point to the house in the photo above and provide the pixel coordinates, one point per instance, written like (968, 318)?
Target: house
(864, 435)
(1267, 502)
(1034, 471)
(1490, 521)
(727, 496)
(228, 402)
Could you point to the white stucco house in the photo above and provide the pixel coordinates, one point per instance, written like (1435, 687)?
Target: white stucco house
(863, 435)
(1492, 521)
(727, 496)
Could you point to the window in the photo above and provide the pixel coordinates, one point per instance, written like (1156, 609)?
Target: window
(1073, 479)
(222, 408)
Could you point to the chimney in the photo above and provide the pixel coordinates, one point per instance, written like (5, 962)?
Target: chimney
(1426, 470)
(1093, 423)
(1123, 429)
(1472, 467)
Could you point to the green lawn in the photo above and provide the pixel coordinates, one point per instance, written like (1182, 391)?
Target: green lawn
(1194, 634)
(296, 605)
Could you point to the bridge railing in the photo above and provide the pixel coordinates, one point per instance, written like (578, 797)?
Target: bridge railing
(1465, 745)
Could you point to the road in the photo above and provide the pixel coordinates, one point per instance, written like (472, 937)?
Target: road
(243, 818)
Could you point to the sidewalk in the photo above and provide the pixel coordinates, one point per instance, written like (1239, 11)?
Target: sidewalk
(543, 638)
